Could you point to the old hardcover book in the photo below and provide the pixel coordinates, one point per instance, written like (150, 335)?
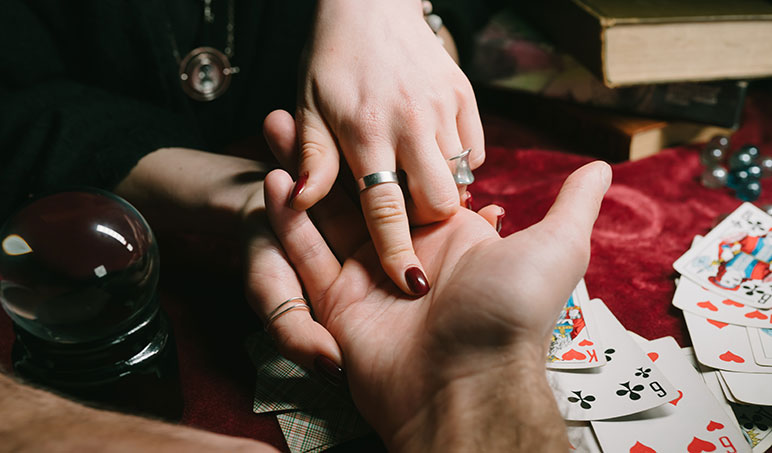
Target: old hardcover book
(596, 132)
(655, 41)
(512, 54)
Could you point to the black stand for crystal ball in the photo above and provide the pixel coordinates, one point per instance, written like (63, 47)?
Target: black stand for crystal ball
(136, 371)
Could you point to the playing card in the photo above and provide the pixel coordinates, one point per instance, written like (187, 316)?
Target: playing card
(628, 383)
(690, 297)
(581, 438)
(734, 258)
(711, 379)
(761, 345)
(725, 389)
(756, 423)
(693, 421)
(574, 340)
(749, 388)
(721, 345)
(639, 340)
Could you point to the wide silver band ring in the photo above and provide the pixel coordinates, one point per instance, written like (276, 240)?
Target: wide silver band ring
(284, 308)
(379, 177)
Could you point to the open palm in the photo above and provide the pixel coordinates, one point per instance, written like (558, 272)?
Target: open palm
(491, 299)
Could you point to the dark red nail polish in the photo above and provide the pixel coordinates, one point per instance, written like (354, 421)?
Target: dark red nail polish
(300, 184)
(500, 220)
(329, 370)
(416, 281)
(468, 201)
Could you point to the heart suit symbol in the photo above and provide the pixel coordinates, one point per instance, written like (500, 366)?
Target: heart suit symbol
(675, 401)
(718, 324)
(707, 305)
(755, 314)
(732, 303)
(729, 357)
(586, 343)
(698, 445)
(573, 354)
(712, 426)
(640, 448)
(653, 356)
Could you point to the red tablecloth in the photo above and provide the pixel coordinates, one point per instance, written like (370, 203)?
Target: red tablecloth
(651, 212)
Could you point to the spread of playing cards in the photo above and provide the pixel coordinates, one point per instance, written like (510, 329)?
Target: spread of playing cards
(619, 392)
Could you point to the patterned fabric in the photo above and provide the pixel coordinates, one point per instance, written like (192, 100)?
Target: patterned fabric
(313, 415)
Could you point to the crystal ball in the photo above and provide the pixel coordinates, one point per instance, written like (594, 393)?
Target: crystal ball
(78, 266)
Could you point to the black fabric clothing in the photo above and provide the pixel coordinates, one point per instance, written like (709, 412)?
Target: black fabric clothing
(88, 87)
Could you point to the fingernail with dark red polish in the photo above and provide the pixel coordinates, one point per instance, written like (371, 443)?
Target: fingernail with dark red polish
(300, 184)
(468, 200)
(329, 370)
(416, 281)
(500, 220)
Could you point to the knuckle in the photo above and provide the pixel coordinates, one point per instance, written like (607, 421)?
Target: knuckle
(284, 337)
(385, 209)
(366, 124)
(478, 157)
(442, 209)
(311, 149)
(310, 252)
(463, 87)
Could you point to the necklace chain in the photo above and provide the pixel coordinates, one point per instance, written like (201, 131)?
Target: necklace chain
(230, 28)
(205, 72)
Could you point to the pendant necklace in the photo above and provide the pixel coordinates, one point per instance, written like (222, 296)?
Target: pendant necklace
(205, 72)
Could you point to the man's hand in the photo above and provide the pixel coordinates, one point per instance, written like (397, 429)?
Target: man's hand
(428, 373)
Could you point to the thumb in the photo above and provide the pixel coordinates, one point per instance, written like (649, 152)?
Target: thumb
(319, 160)
(578, 203)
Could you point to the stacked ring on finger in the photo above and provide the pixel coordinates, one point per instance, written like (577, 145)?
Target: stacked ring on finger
(283, 308)
(463, 174)
(379, 177)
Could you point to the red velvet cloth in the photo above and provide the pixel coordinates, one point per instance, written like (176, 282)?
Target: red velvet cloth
(651, 212)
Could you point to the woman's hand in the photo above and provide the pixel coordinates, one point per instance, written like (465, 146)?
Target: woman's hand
(380, 88)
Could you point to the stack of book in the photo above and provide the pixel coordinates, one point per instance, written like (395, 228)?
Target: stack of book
(623, 79)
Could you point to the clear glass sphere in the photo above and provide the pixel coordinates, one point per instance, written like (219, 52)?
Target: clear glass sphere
(78, 266)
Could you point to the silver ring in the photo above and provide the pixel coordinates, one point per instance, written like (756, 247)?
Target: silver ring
(280, 311)
(463, 174)
(379, 177)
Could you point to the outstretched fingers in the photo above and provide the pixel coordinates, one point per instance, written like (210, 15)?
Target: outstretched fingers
(274, 293)
(305, 247)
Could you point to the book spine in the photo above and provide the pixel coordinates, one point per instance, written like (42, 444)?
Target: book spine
(716, 103)
(564, 122)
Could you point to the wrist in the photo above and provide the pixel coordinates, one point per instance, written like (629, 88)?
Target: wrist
(507, 407)
(188, 190)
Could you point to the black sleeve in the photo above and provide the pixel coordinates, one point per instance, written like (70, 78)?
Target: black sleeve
(57, 130)
(464, 18)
